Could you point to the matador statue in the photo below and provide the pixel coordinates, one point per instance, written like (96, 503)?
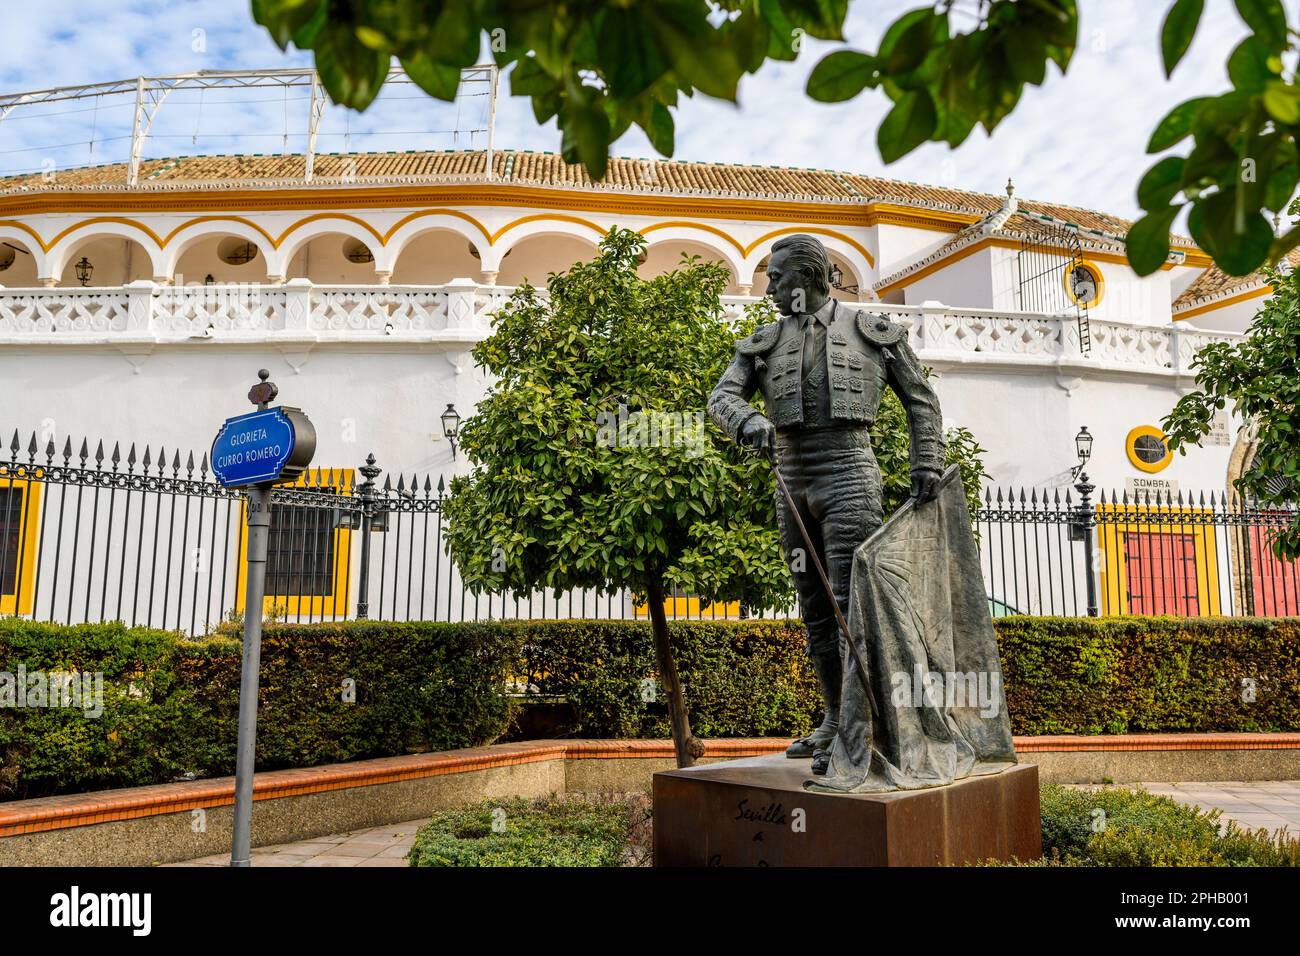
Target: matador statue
(822, 369)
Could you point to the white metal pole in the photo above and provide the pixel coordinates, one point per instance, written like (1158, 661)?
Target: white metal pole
(313, 123)
(133, 172)
(492, 119)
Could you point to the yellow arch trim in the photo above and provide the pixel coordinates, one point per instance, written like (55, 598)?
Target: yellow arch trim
(201, 219)
(27, 229)
(814, 229)
(438, 212)
(549, 217)
(683, 224)
(117, 219)
(1097, 279)
(1223, 303)
(328, 215)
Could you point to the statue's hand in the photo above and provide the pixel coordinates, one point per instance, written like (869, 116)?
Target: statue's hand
(759, 434)
(925, 485)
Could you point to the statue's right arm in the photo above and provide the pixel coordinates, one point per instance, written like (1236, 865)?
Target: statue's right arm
(729, 403)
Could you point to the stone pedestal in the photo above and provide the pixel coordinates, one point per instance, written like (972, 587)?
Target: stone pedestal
(755, 812)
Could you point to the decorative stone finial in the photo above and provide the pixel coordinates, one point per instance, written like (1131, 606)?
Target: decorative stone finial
(264, 392)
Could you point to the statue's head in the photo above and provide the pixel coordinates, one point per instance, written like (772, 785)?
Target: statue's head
(798, 275)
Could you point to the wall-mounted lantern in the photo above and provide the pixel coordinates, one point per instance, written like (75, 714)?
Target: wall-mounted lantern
(85, 269)
(451, 427)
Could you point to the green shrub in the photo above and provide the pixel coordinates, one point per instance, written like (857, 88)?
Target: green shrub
(171, 703)
(1120, 827)
(550, 831)
(1116, 675)
(740, 679)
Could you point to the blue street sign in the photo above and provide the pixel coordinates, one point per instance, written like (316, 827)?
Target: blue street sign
(254, 449)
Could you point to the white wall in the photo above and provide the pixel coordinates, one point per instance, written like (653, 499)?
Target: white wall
(965, 283)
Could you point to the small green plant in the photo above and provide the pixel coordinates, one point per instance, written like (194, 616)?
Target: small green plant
(549, 831)
(1117, 826)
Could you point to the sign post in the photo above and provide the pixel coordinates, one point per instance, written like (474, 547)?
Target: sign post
(255, 451)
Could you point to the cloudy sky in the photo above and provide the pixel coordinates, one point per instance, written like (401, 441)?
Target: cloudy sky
(1079, 140)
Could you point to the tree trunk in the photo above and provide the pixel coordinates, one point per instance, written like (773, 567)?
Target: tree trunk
(687, 747)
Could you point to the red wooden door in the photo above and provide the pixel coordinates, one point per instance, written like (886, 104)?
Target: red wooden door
(1273, 583)
(1161, 572)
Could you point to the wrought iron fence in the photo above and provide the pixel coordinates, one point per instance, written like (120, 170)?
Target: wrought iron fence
(150, 538)
(1058, 552)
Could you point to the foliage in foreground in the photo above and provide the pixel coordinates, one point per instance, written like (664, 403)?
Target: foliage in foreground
(549, 831)
(1115, 826)
(597, 68)
(1260, 377)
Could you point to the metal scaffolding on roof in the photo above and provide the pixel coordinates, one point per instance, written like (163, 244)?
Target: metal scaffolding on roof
(151, 92)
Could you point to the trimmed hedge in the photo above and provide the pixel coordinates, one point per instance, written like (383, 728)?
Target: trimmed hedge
(741, 679)
(171, 702)
(1149, 674)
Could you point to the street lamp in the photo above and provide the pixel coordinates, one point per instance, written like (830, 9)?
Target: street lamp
(451, 426)
(84, 270)
(1083, 447)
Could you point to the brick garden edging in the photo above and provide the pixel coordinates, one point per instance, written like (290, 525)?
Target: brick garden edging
(152, 824)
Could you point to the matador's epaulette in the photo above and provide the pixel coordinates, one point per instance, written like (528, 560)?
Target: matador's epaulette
(761, 342)
(879, 330)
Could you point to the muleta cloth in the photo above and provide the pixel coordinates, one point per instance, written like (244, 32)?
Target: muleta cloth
(930, 707)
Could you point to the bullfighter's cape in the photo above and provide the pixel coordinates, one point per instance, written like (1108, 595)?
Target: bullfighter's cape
(922, 703)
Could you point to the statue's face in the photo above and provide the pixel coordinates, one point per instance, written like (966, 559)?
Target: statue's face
(787, 286)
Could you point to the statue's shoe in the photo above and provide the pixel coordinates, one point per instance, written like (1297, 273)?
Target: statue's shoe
(806, 747)
(821, 762)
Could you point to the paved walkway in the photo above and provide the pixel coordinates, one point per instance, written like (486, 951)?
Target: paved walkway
(378, 846)
(1267, 804)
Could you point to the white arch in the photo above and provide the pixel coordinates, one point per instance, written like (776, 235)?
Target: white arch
(386, 259)
(307, 231)
(857, 263)
(62, 251)
(512, 236)
(25, 239)
(700, 237)
(179, 242)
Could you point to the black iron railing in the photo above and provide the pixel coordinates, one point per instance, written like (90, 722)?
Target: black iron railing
(150, 538)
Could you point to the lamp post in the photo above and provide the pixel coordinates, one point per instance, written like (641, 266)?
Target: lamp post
(1085, 518)
(85, 269)
(451, 426)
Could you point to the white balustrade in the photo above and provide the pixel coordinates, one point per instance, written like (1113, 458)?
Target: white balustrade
(462, 310)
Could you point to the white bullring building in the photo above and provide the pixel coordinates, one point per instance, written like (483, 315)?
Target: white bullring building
(139, 298)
